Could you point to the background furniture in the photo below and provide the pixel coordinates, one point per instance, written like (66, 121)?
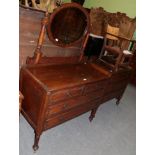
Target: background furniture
(100, 18)
(133, 63)
(113, 54)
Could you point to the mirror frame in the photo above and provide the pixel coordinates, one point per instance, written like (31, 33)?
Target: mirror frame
(52, 16)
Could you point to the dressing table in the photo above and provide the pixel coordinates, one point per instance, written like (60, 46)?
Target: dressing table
(54, 94)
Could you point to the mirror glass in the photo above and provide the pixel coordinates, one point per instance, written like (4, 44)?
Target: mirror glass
(67, 25)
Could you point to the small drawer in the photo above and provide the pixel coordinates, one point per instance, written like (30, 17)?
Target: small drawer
(66, 94)
(62, 106)
(112, 95)
(95, 94)
(93, 87)
(119, 77)
(60, 95)
(77, 91)
(116, 86)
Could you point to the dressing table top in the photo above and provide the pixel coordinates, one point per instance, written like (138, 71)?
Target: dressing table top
(62, 76)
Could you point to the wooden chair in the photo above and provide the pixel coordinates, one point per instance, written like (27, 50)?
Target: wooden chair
(113, 55)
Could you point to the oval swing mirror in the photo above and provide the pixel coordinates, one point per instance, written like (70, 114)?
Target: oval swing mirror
(68, 24)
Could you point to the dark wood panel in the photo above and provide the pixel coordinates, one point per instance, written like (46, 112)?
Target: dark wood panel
(96, 86)
(33, 97)
(65, 94)
(70, 102)
(116, 86)
(111, 95)
(63, 117)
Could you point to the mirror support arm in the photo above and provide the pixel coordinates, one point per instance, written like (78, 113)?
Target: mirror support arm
(84, 46)
(38, 54)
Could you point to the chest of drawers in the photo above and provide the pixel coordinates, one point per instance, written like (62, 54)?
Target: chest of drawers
(54, 94)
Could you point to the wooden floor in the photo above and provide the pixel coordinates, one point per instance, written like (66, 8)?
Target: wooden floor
(112, 132)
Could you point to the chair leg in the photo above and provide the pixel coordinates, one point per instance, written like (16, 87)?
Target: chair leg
(118, 61)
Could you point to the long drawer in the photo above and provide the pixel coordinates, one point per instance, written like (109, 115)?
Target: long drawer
(70, 103)
(65, 94)
(62, 95)
(72, 113)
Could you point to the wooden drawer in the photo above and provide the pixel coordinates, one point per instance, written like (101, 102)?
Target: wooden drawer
(94, 87)
(112, 87)
(65, 105)
(65, 94)
(112, 95)
(119, 77)
(61, 107)
(74, 112)
(76, 91)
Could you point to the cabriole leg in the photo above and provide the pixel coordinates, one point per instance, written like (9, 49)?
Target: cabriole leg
(118, 100)
(36, 141)
(92, 115)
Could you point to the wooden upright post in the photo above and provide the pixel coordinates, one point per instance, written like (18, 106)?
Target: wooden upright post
(38, 53)
(84, 46)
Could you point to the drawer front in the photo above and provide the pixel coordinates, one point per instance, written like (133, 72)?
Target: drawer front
(114, 87)
(112, 95)
(65, 94)
(74, 112)
(54, 109)
(61, 107)
(119, 77)
(76, 91)
(95, 86)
